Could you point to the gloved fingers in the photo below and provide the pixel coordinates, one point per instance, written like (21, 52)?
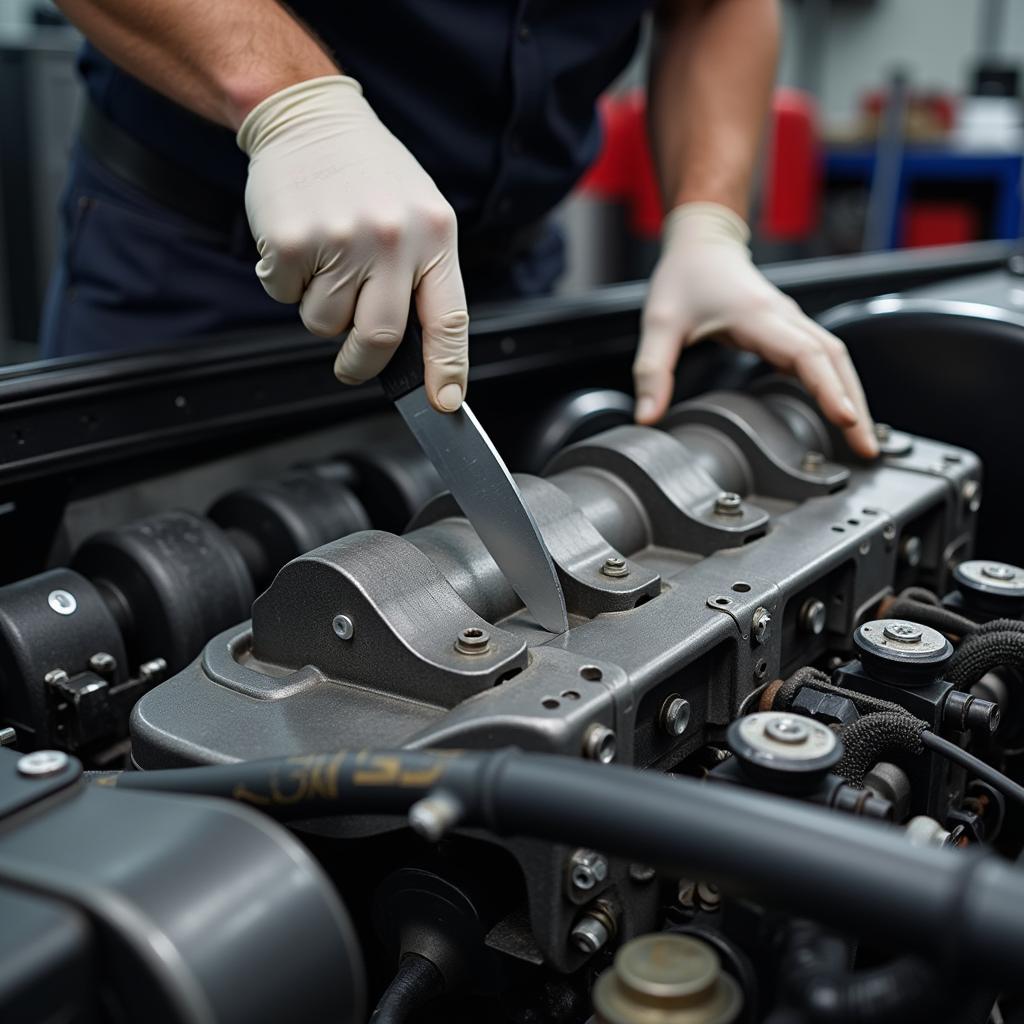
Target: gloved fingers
(282, 270)
(662, 338)
(788, 343)
(328, 303)
(861, 436)
(378, 325)
(444, 321)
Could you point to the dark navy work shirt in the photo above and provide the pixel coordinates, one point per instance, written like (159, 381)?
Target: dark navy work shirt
(495, 98)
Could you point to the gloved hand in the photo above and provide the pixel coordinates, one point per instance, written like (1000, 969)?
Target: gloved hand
(349, 225)
(706, 283)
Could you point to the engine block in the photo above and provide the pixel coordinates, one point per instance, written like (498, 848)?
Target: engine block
(700, 561)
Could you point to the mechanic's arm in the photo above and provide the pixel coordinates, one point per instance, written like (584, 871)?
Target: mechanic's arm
(346, 221)
(712, 74)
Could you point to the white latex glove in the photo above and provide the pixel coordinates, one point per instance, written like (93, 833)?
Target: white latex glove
(705, 283)
(349, 225)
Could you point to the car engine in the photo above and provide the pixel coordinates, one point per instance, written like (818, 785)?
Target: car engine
(306, 757)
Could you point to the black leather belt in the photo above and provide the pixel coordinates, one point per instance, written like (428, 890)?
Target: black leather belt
(168, 184)
(223, 212)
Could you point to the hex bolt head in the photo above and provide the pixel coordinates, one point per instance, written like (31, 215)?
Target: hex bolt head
(8, 736)
(599, 744)
(888, 533)
(728, 503)
(103, 664)
(344, 628)
(910, 551)
(41, 764)
(761, 624)
(812, 462)
(589, 934)
(675, 715)
(473, 640)
(883, 431)
(615, 567)
(153, 671)
(587, 869)
(813, 616)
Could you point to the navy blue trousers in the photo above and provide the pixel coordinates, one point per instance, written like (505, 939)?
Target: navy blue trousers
(132, 273)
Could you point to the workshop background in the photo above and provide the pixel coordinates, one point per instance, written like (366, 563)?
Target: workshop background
(896, 123)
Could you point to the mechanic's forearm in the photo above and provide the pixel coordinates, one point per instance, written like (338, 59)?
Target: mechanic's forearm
(218, 59)
(712, 73)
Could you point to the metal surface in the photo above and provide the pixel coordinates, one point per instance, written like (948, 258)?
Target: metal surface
(667, 979)
(43, 763)
(997, 578)
(471, 468)
(179, 945)
(286, 685)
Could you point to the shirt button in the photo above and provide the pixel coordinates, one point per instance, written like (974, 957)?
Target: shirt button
(524, 32)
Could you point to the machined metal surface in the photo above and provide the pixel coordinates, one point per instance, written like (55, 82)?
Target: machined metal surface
(654, 662)
(471, 468)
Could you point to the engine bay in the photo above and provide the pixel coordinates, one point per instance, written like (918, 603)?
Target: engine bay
(297, 751)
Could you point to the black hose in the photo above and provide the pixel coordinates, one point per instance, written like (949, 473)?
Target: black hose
(415, 983)
(942, 619)
(817, 981)
(920, 594)
(851, 874)
(983, 652)
(996, 779)
(870, 736)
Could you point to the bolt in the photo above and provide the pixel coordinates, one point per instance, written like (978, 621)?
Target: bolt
(675, 715)
(103, 664)
(687, 894)
(883, 431)
(910, 552)
(642, 873)
(728, 503)
(55, 676)
(435, 815)
(62, 602)
(888, 533)
(999, 571)
(586, 870)
(589, 934)
(813, 614)
(760, 624)
(473, 640)
(925, 831)
(599, 744)
(971, 493)
(812, 462)
(43, 763)
(8, 737)
(615, 566)
(708, 896)
(903, 632)
(153, 671)
(787, 730)
(343, 627)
